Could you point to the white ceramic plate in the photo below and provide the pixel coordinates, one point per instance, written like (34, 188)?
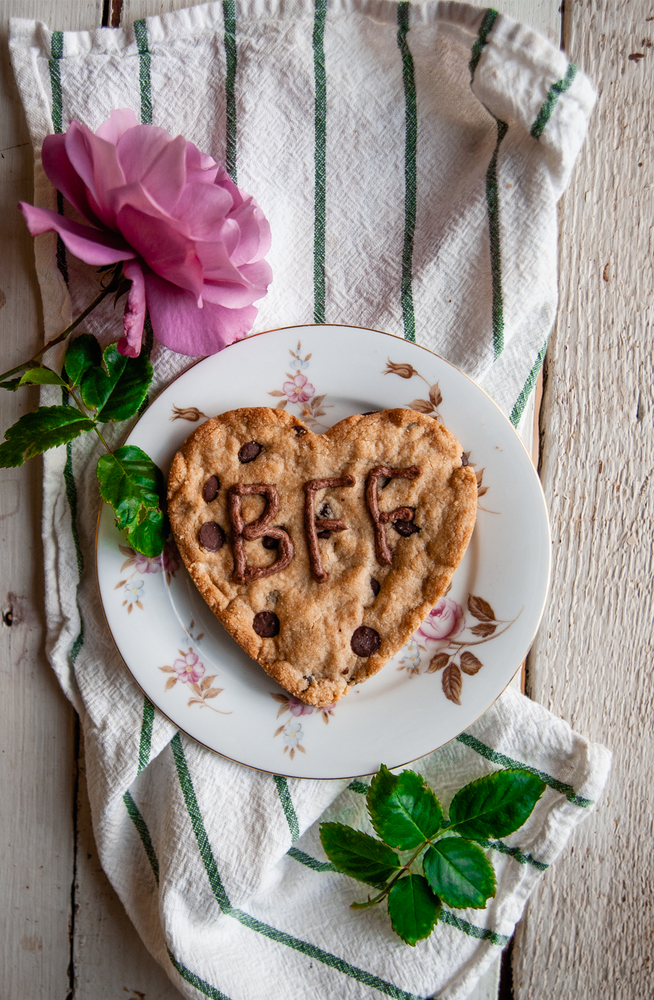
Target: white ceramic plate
(203, 681)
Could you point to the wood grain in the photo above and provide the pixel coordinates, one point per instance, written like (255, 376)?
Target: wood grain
(588, 930)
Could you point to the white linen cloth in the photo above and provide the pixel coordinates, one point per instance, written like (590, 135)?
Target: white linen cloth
(409, 159)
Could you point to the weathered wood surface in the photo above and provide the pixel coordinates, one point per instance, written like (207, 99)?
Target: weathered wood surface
(63, 931)
(588, 931)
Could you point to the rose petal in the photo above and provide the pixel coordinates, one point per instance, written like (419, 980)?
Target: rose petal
(117, 124)
(60, 172)
(165, 177)
(179, 325)
(138, 148)
(89, 245)
(96, 162)
(134, 315)
(200, 167)
(201, 210)
(170, 254)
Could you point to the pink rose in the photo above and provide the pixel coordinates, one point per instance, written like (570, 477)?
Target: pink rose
(299, 390)
(443, 623)
(192, 242)
(190, 668)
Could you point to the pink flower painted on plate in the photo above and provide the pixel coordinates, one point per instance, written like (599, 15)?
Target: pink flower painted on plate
(444, 622)
(297, 707)
(189, 669)
(299, 390)
(167, 562)
(192, 243)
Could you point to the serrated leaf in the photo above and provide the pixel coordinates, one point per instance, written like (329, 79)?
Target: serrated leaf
(495, 805)
(413, 908)
(35, 432)
(480, 609)
(41, 376)
(83, 353)
(403, 809)
(460, 873)
(469, 663)
(11, 384)
(452, 683)
(421, 405)
(118, 393)
(435, 394)
(484, 629)
(133, 485)
(358, 855)
(149, 536)
(438, 662)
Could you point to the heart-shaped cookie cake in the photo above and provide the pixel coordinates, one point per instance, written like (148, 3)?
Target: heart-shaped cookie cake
(321, 554)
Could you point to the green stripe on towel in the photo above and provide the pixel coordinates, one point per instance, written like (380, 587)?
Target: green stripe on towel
(320, 169)
(493, 206)
(287, 805)
(145, 743)
(549, 104)
(481, 933)
(482, 38)
(145, 85)
(410, 152)
(229, 17)
(143, 832)
(499, 758)
(525, 392)
(203, 987)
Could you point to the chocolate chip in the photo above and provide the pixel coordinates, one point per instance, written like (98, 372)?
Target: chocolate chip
(249, 452)
(300, 431)
(346, 671)
(266, 624)
(375, 585)
(324, 534)
(405, 528)
(365, 641)
(270, 543)
(326, 512)
(464, 460)
(211, 488)
(211, 536)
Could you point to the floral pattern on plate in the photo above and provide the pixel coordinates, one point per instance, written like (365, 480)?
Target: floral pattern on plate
(134, 588)
(440, 634)
(298, 391)
(429, 407)
(292, 730)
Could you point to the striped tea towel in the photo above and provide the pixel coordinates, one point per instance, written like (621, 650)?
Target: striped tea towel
(409, 158)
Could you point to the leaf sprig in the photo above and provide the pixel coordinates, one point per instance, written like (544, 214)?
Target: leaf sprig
(104, 386)
(408, 817)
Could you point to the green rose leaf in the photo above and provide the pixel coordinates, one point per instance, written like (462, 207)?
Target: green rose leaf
(132, 484)
(358, 855)
(403, 809)
(118, 392)
(495, 805)
(83, 353)
(40, 430)
(460, 873)
(41, 376)
(413, 908)
(11, 384)
(149, 536)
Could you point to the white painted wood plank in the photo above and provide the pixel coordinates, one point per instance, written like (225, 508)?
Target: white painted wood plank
(587, 932)
(36, 723)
